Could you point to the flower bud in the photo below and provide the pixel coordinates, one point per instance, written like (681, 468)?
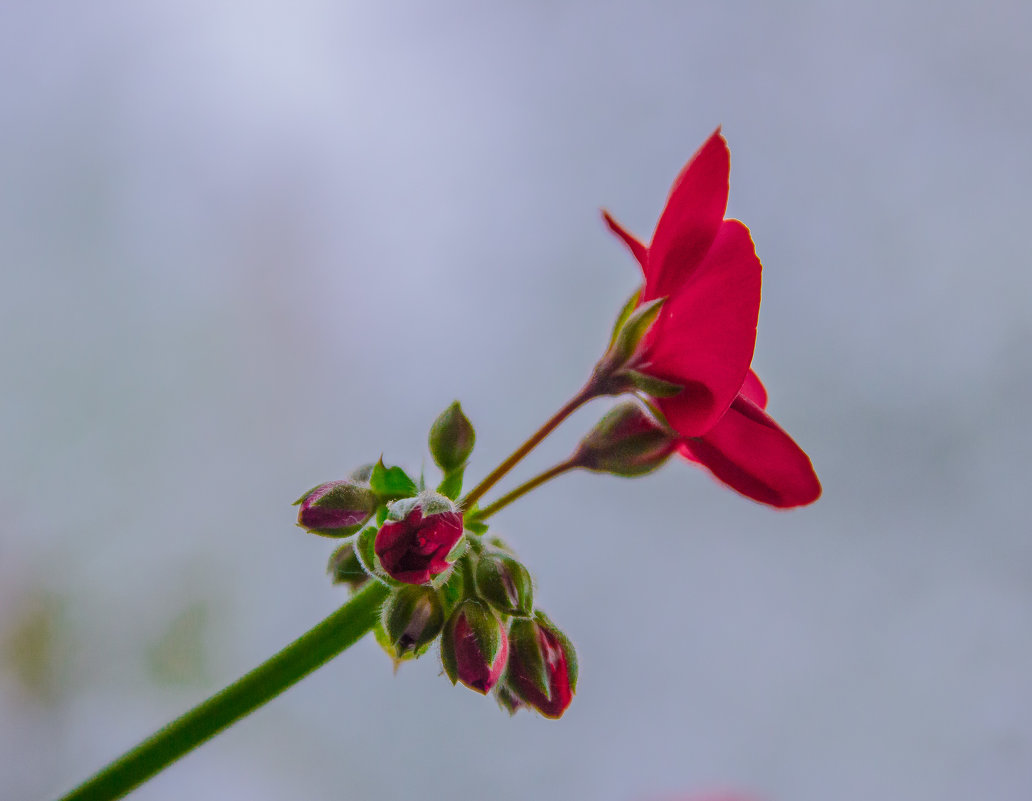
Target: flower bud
(412, 618)
(627, 441)
(505, 583)
(344, 567)
(416, 541)
(451, 438)
(335, 509)
(542, 670)
(474, 647)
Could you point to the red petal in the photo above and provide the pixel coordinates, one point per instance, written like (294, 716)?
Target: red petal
(754, 390)
(751, 453)
(705, 335)
(636, 247)
(691, 219)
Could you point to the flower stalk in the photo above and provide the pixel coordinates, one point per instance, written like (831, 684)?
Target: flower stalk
(590, 390)
(311, 650)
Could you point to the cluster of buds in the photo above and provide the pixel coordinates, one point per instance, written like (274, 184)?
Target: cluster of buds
(682, 347)
(448, 582)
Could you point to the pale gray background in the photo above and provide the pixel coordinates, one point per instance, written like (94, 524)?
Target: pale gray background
(246, 246)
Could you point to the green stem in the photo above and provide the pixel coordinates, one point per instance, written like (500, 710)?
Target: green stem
(526, 487)
(309, 651)
(591, 390)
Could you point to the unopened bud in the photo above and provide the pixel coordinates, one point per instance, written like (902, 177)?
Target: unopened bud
(542, 669)
(335, 509)
(505, 583)
(627, 441)
(412, 618)
(474, 647)
(451, 438)
(345, 568)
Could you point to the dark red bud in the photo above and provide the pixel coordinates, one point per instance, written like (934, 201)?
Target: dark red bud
(542, 670)
(336, 508)
(474, 647)
(419, 535)
(627, 441)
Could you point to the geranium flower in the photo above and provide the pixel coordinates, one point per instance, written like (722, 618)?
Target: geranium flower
(703, 339)
(707, 269)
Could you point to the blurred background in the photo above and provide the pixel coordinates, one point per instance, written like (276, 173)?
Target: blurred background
(245, 247)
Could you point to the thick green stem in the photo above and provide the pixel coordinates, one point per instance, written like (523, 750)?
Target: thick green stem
(591, 390)
(526, 487)
(311, 650)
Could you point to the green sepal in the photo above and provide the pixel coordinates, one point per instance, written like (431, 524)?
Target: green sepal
(391, 482)
(477, 527)
(451, 486)
(452, 590)
(458, 550)
(650, 385)
(568, 650)
(381, 515)
(625, 312)
(501, 545)
(523, 641)
(400, 509)
(333, 533)
(634, 329)
(305, 494)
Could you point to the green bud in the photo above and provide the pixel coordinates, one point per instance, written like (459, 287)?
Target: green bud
(412, 617)
(345, 568)
(505, 583)
(451, 438)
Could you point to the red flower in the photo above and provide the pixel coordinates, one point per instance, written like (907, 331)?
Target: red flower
(703, 339)
(414, 547)
(707, 269)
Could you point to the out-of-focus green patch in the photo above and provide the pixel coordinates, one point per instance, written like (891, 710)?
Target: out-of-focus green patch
(35, 647)
(179, 655)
